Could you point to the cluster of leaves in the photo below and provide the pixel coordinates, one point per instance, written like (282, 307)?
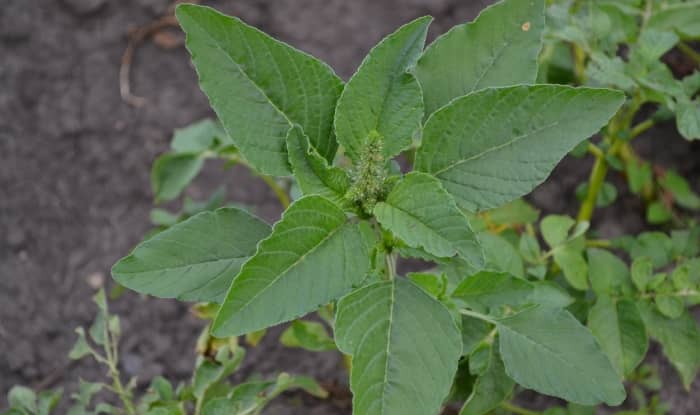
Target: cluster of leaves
(479, 134)
(208, 393)
(620, 44)
(512, 301)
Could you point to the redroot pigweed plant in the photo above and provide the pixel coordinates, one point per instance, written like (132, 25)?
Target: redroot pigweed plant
(479, 118)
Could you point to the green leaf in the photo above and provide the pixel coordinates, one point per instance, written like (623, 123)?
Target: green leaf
(529, 248)
(609, 71)
(313, 256)
(501, 255)
(259, 87)
(658, 213)
(495, 145)
(549, 351)
(395, 371)
(679, 187)
(517, 212)
(81, 348)
(684, 19)
(308, 335)
(487, 290)
(172, 173)
(48, 400)
(435, 285)
(422, 214)
(312, 172)
(483, 53)
(573, 265)
(606, 271)
(21, 397)
(642, 271)
(555, 229)
(669, 305)
(639, 175)
(382, 96)
(200, 136)
(679, 337)
(653, 44)
(490, 389)
(194, 260)
(208, 373)
(606, 195)
(620, 331)
(474, 332)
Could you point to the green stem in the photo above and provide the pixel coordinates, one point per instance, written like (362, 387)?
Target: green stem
(595, 183)
(476, 315)
(598, 243)
(279, 192)
(689, 52)
(641, 127)
(517, 409)
(111, 355)
(390, 266)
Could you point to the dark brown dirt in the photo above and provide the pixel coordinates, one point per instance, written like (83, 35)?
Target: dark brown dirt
(74, 176)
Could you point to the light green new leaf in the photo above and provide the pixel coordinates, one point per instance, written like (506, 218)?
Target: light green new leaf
(679, 337)
(313, 256)
(172, 173)
(200, 136)
(194, 260)
(620, 331)
(549, 351)
(495, 145)
(555, 229)
(382, 96)
(486, 290)
(490, 389)
(259, 87)
(499, 48)
(421, 213)
(312, 172)
(405, 347)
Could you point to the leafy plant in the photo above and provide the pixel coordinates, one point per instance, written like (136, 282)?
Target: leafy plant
(425, 153)
(208, 393)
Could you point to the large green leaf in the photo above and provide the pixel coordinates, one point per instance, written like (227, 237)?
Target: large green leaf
(313, 256)
(486, 290)
(420, 212)
(620, 331)
(382, 96)
(404, 345)
(499, 48)
(679, 337)
(312, 172)
(194, 260)
(490, 389)
(549, 351)
(259, 86)
(495, 145)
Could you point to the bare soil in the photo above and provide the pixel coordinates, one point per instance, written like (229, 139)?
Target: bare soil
(74, 177)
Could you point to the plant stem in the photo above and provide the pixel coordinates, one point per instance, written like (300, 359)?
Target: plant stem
(595, 183)
(479, 316)
(689, 52)
(517, 409)
(279, 192)
(641, 127)
(598, 243)
(111, 354)
(390, 266)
